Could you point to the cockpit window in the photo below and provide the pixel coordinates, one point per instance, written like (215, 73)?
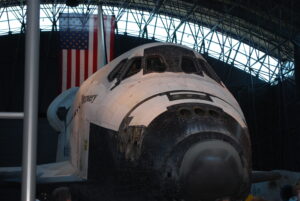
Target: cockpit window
(188, 65)
(116, 71)
(155, 64)
(208, 70)
(171, 58)
(135, 66)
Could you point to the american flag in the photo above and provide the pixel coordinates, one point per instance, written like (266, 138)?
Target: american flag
(79, 46)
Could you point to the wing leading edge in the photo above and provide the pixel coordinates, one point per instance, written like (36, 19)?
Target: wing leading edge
(46, 173)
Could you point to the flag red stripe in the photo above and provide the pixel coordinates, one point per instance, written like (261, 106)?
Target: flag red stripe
(86, 64)
(95, 44)
(77, 81)
(62, 69)
(69, 68)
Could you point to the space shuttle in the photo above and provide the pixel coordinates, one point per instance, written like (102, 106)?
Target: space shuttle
(160, 112)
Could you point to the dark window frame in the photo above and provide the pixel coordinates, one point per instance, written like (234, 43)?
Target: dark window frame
(198, 68)
(208, 70)
(115, 73)
(128, 68)
(122, 68)
(147, 70)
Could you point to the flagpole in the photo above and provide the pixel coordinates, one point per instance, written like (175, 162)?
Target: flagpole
(30, 101)
(102, 55)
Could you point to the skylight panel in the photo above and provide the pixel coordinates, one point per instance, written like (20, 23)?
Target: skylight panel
(242, 58)
(163, 28)
(121, 26)
(215, 47)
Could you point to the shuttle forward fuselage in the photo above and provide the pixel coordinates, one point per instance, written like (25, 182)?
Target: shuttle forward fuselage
(160, 110)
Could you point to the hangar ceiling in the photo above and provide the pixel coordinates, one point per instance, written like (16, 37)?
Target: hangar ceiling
(265, 30)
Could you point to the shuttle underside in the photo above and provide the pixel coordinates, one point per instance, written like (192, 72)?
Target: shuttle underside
(192, 151)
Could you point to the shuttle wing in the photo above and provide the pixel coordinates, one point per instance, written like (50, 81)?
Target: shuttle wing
(261, 176)
(46, 173)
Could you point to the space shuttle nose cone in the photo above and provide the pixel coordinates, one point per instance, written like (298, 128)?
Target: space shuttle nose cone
(211, 170)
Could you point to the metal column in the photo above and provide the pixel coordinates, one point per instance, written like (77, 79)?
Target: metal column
(30, 100)
(102, 55)
(297, 63)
